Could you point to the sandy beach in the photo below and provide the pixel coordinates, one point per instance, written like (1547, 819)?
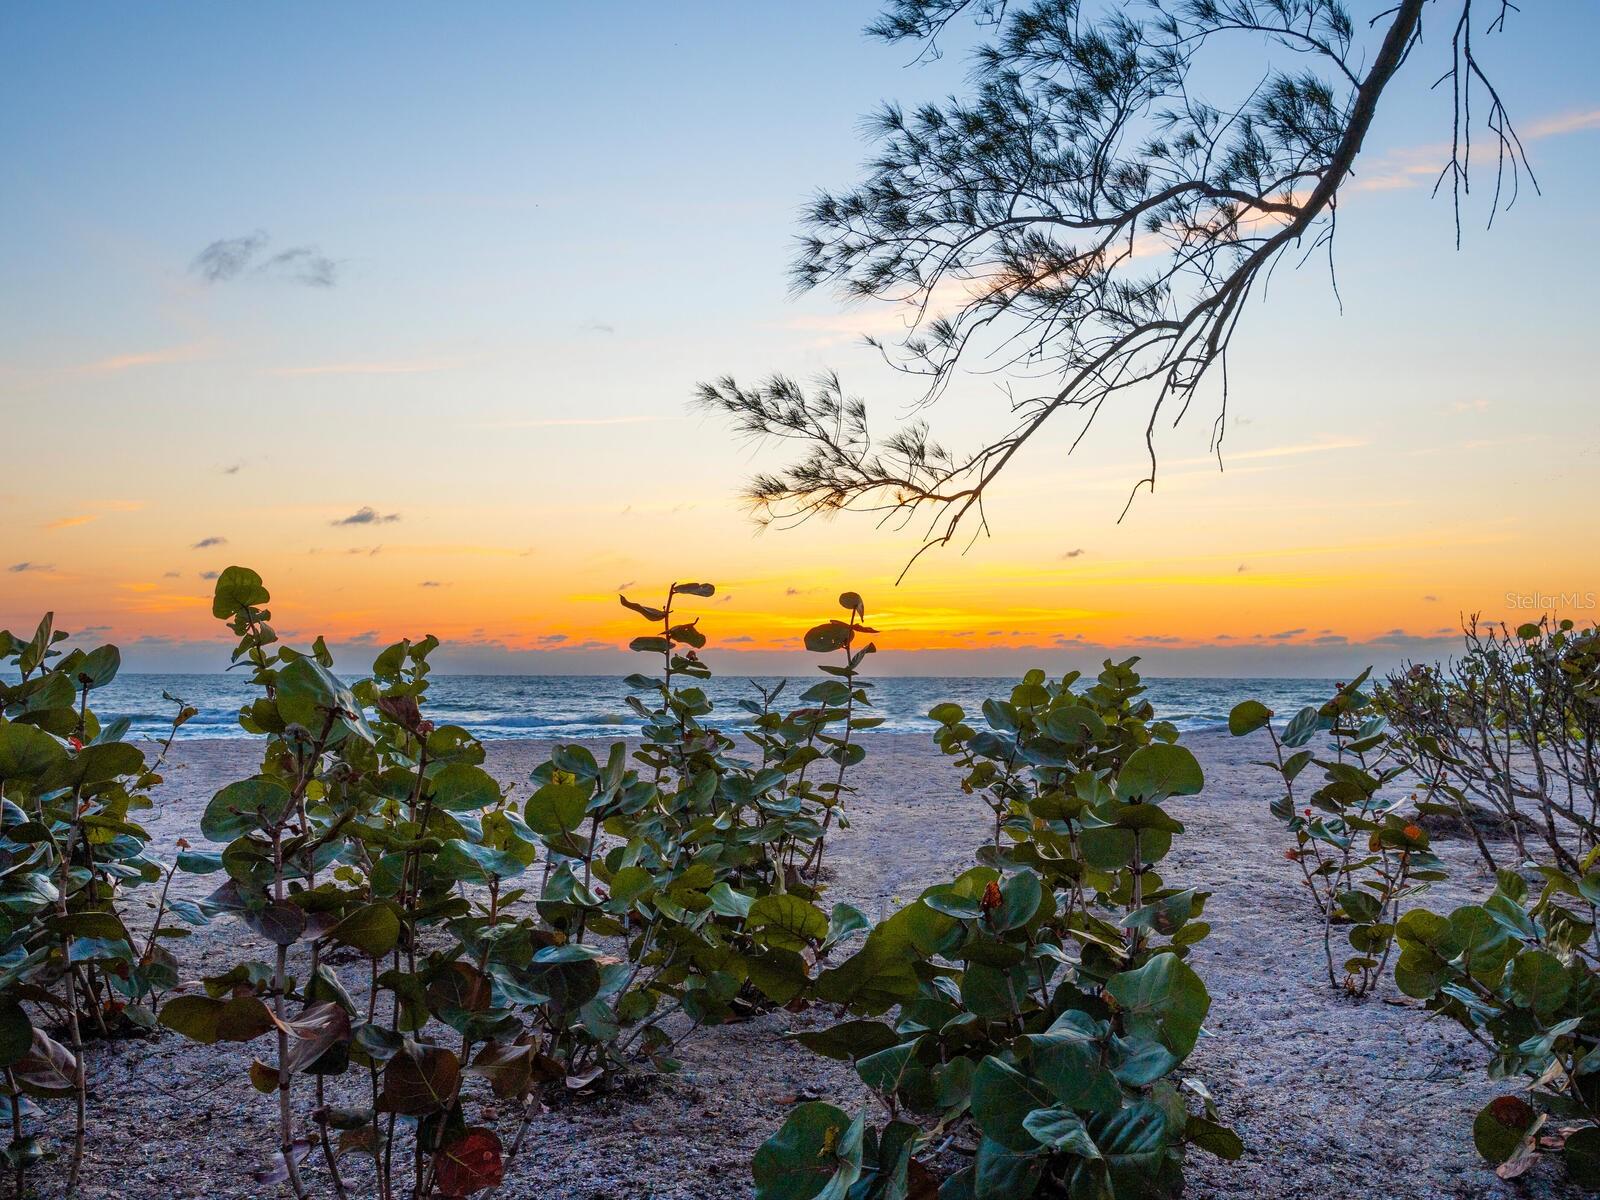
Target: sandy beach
(1332, 1099)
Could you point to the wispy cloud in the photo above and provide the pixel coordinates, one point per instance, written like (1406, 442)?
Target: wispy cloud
(430, 583)
(1562, 123)
(207, 542)
(420, 366)
(367, 515)
(560, 422)
(72, 522)
(146, 358)
(1419, 166)
(22, 567)
(227, 259)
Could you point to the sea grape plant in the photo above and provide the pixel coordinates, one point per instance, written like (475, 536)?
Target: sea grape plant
(704, 865)
(369, 833)
(69, 852)
(1359, 850)
(671, 886)
(1042, 1005)
(1518, 973)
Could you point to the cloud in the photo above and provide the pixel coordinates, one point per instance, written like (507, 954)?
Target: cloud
(1330, 639)
(1431, 599)
(209, 574)
(430, 583)
(1554, 126)
(738, 641)
(599, 327)
(233, 470)
(566, 422)
(173, 575)
(19, 568)
(415, 366)
(304, 264)
(367, 515)
(1071, 553)
(1285, 635)
(207, 542)
(147, 358)
(227, 259)
(70, 522)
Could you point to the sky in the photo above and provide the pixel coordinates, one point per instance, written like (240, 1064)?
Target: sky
(467, 263)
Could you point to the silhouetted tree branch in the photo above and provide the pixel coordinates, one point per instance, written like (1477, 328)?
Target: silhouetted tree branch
(1086, 222)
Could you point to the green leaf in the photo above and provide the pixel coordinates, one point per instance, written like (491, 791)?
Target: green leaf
(787, 922)
(849, 1040)
(206, 1020)
(237, 588)
(461, 787)
(1002, 1098)
(1067, 1060)
(27, 752)
(1247, 717)
(307, 692)
(1581, 1153)
(1002, 1173)
(1501, 1125)
(1164, 1000)
(1133, 1142)
(98, 667)
(556, 808)
(16, 1033)
(815, 1156)
(1157, 771)
(1213, 1138)
(1062, 1130)
(832, 635)
(242, 806)
(885, 1071)
(373, 929)
(1539, 981)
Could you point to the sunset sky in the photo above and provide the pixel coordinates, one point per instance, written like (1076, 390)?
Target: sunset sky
(481, 255)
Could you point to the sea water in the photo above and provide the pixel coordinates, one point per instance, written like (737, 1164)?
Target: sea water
(592, 706)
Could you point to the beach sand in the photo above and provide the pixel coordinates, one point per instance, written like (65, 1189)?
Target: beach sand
(1332, 1098)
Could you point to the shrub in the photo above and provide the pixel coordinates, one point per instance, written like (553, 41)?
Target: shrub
(1518, 973)
(1360, 853)
(1043, 1007)
(710, 864)
(68, 852)
(357, 835)
(372, 831)
(1512, 730)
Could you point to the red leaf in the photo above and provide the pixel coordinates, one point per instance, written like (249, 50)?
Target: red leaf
(470, 1163)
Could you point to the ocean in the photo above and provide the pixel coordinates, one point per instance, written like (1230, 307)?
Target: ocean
(591, 706)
